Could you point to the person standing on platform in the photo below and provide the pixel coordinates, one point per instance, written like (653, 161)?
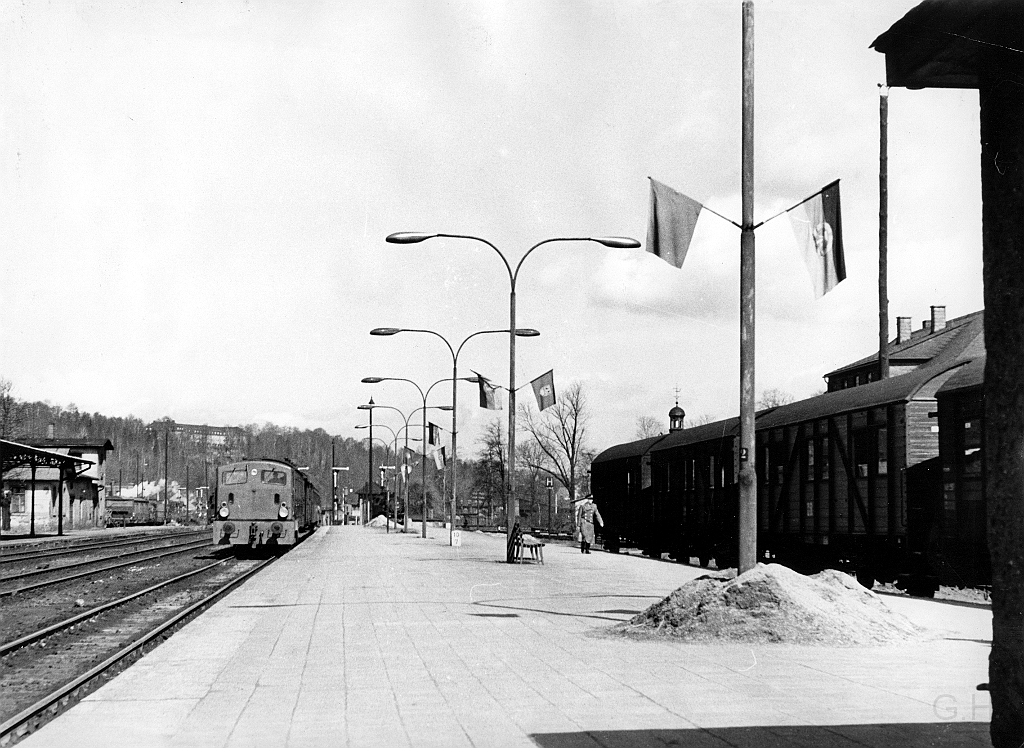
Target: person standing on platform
(586, 513)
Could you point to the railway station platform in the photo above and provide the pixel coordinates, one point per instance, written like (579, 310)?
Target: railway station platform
(362, 638)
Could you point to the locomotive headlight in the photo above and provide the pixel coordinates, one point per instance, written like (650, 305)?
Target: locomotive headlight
(283, 511)
(223, 512)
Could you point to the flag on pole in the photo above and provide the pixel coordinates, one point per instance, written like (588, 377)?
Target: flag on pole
(490, 397)
(432, 433)
(671, 222)
(817, 224)
(544, 389)
(439, 459)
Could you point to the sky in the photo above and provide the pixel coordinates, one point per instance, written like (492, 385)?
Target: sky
(196, 197)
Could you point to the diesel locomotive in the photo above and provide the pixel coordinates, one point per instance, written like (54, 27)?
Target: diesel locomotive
(264, 504)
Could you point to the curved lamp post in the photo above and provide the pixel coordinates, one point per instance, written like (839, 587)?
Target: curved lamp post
(400, 474)
(522, 333)
(369, 480)
(617, 242)
(423, 460)
(394, 445)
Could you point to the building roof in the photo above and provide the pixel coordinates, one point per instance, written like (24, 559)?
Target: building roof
(966, 377)
(946, 43)
(704, 432)
(921, 347)
(17, 459)
(631, 449)
(87, 443)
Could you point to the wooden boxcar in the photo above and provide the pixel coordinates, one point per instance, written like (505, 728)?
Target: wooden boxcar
(696, 494)
(955, 541)
(264, 503)
(620, 481)
(852, 479)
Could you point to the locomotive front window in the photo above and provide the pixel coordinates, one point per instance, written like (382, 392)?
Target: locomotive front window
(233, 477)
(275, 477)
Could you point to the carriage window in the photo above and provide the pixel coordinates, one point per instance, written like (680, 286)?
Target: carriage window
(865, 452)
(233, 477)
(711, 471)
(823, 458)
(810, 459)
(972, 447)
(275, 477)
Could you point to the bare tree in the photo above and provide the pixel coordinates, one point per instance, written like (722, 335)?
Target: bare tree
(12, 412)
(774, 397)
(648, 426)
(560, 432)
(489, 471)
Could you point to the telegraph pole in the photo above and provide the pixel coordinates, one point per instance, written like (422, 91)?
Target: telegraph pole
(747, 472)
(883, 232)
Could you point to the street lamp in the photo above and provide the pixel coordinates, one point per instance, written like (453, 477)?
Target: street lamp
(369, 476)
(334, 488)
(616, 242)
(394, 449)
(387, 331)
(423, 461)
(405, 481)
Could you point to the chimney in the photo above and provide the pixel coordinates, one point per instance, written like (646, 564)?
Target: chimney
(904, 327)
(926, 326)
(49, 432)
(938, 318)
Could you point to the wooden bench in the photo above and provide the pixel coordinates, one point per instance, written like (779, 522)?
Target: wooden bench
(536, 548)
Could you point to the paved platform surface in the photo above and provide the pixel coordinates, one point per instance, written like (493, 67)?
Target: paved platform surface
(361, 638)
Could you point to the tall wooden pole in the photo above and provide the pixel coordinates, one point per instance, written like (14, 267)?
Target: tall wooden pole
(1002, 184)
(883, 232)
(511, 502)
(747, 472)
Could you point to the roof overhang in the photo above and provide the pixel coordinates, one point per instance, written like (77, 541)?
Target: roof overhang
(14, 455)
(951, 43)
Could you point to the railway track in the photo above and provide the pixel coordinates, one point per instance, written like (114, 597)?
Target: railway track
(48, 669)
(14, 583)
(12, 556)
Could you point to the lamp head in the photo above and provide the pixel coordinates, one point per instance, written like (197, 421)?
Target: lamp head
(443, 407)
(371, 380)
(617, 242)
(385, 331)
(407, 237)
(526, 332)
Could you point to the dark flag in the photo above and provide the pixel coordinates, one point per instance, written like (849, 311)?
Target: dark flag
(432, 433)
(817, 224)
(489, 395)
(544, 389)
(671, 222)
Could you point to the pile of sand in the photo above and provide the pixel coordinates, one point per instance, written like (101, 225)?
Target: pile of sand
(772, 603)
(379, 521)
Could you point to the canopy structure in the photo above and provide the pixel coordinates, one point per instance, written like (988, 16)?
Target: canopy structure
(950, 43)
(14, 455)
